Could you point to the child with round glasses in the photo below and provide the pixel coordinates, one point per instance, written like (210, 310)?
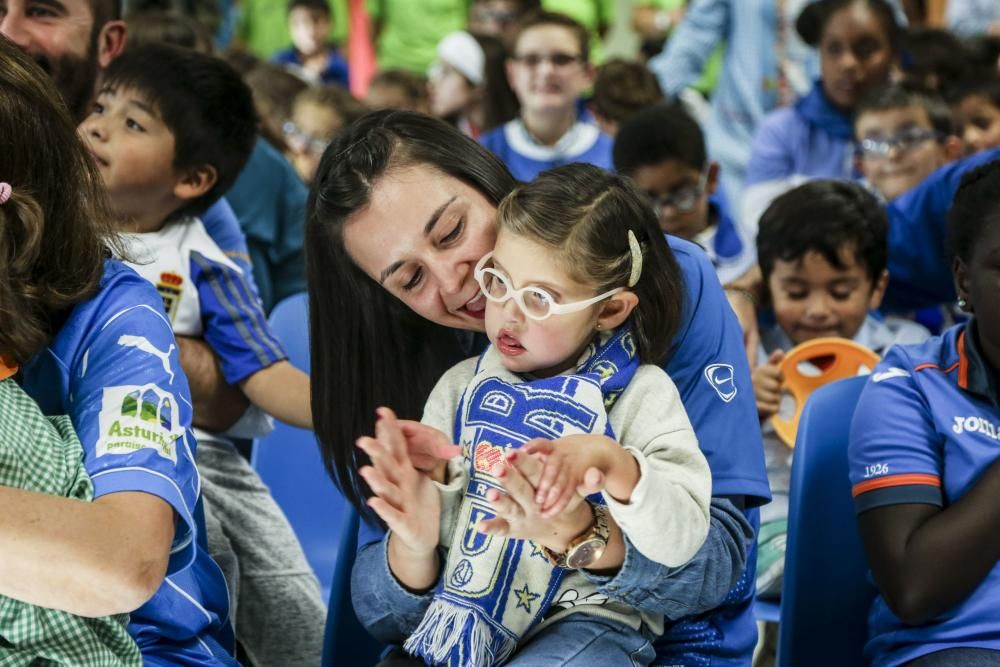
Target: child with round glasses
(582, 298)
(903, 133)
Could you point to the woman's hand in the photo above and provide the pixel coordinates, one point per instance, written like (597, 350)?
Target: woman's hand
(405, 498)
(429, 449)
(520, 517)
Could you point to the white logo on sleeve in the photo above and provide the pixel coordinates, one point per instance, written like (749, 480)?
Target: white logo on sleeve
(136, 417)
(889, 374)
(976, 425)
(142, 343)
(722, 377)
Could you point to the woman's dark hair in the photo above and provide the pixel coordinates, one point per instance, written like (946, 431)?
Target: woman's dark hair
(583, 214)
(55, 227)
(499, 101)
(824, 216)
(813, 18)
(368, 349)
(975, 209)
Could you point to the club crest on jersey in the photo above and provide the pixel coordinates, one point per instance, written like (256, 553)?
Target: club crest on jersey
(169, 287)
(136, 417)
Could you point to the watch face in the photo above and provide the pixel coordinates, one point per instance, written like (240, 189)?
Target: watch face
(585, 553)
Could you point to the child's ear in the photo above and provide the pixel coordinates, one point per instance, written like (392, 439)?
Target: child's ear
(878, 291)
(617, 309)
(953, 147)
(712, 182)
(195, 181)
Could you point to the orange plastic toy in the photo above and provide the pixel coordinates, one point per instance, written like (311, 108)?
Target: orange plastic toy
(834, 359)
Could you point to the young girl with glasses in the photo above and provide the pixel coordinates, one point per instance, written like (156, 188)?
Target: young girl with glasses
(582, 298)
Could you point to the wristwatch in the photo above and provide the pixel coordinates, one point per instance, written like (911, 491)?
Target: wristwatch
(588, 548)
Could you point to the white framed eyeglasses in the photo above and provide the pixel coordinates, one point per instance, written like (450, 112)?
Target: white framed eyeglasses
(534, 302)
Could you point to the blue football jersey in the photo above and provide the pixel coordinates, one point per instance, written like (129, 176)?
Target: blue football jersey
(114, 369)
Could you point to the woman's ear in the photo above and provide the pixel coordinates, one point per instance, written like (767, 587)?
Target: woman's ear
(616, 310)
(712, 182)
(960, 273)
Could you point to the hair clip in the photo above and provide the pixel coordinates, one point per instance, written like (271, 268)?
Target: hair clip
(5, 192)
(636, 250)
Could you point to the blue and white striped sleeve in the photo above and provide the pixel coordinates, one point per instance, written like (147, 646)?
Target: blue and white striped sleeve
(234, 324)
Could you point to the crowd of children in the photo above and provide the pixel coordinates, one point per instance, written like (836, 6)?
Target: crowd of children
(604, 471)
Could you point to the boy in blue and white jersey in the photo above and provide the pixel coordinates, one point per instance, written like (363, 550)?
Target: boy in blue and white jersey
(661, 148)
(823, 253)
(168, 145)
(549, 69)
(170, 131)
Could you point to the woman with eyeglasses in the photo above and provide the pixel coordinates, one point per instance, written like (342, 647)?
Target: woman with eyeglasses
(858, 43)
(403, 210)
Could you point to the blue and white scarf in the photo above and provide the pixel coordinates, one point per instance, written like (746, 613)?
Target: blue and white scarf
(494, 589)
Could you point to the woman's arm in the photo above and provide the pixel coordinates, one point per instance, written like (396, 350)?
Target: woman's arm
(926, 560)
(926, 554)
(90, 559)
(389, 612)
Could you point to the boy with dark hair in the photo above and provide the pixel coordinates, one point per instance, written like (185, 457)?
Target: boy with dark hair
(661, 148)
(548, 69)
(977, 115)
(311, 55)
(621, 89)
(903, 132)
(824, 279)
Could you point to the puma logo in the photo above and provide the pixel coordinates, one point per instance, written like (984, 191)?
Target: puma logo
(142, 343)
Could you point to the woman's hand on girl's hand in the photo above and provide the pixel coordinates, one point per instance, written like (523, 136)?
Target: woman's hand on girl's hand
(429, 449)
(576, 465)
(405, 498)
(520, 517)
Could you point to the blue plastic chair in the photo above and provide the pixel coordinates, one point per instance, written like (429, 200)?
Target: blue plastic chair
(289, 462)
(826, 591)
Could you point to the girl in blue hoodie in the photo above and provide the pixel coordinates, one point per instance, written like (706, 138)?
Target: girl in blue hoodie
(858, 47)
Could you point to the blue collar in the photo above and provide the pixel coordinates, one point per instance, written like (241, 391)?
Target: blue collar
(817, 109)
(980, 378)
(727, 242)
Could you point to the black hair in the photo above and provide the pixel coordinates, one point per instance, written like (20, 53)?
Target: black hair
(315, 5)
(824, 216)
(657, 134)
(623, 88)
(368, 349)
(539, 17)
(975, 209)
(812, 20)
(934, 57)
(905, 95)
(584, 214)
(988, 89)
(203, 102)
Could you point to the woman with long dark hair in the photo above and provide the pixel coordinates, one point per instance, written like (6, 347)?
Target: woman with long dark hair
(402, 211)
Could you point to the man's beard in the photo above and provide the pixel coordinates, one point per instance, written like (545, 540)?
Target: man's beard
(74, 78)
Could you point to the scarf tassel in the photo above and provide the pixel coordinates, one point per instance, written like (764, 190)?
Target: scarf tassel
(444, 629)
